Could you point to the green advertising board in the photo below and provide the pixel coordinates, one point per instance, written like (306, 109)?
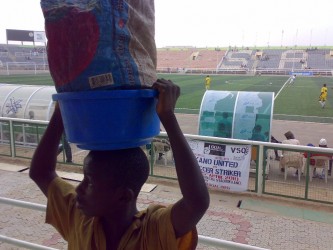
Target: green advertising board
(237, 114)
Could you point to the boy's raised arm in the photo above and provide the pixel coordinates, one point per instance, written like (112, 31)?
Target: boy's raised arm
(43, 163)
(189, 210)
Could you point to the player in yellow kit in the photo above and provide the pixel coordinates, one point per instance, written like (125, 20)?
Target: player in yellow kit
(207, 82)
(323, 96)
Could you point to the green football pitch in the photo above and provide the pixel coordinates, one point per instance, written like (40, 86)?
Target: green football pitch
(292, 102)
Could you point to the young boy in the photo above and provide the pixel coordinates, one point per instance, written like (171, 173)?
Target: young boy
(101, 212)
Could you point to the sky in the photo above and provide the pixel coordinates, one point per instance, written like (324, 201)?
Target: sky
(212, 23)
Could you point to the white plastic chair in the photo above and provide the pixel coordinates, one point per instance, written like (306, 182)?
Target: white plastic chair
(290, 159)
(161, 146)
(321, 161)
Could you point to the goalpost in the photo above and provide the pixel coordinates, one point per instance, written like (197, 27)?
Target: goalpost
(25, 67)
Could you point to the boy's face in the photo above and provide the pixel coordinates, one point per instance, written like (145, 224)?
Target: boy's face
(96, 196)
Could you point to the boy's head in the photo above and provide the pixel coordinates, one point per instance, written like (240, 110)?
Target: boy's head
(112, 180)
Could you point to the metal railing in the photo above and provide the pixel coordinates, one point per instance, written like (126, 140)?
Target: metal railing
(202, 239)
(267, 178)
(262, 167)
(264, 172)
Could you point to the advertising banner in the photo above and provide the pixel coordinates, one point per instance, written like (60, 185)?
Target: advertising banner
(303, 73)
(224, 167)
(39, 37)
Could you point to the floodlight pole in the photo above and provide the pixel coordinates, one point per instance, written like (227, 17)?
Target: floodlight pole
(295, 50)
(310, 37)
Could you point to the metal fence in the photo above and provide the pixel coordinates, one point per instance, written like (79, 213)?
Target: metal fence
(19, 137)
(208, 241)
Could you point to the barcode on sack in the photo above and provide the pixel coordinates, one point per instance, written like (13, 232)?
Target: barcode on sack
(100, 80)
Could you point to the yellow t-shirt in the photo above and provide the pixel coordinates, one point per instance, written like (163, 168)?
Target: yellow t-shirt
(207, 81)
(323, 92)
(151, 230)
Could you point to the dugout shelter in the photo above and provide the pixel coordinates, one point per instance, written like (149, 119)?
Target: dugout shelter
(26, 101)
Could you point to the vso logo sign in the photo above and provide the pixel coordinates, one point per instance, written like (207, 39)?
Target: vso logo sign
(240, 150)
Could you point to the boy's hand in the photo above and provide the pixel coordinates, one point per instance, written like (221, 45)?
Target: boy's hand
(167, 98)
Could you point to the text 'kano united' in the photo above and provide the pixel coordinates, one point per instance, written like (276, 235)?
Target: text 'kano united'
(221, 163)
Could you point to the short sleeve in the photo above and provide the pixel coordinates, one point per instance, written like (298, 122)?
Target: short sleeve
(161, 225)
(60, 204)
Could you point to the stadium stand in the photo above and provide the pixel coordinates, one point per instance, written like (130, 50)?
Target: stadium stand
(292, 59)
(270, 59)
(179, 60)
(207, 59)
(237, 58)
(23, 57)
(202, 60)
(319, 59)
(279, 61)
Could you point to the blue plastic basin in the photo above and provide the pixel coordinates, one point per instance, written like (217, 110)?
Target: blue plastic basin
(109, 119)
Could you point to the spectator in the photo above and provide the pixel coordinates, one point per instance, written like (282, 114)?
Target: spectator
(256, 134)
(277, 157)
(31, 115)
(290, 139)
(223, 127)
(67, 147)
(322, 144)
